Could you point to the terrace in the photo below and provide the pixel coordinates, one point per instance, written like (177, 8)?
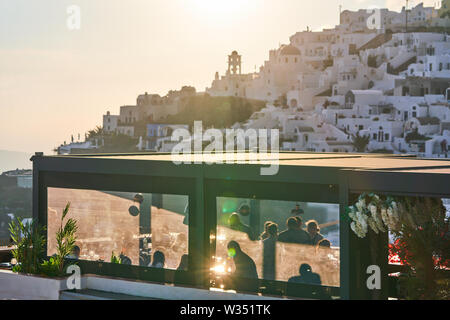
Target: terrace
(137, 204)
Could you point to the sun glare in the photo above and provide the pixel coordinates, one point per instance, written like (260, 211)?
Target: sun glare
(219, 9)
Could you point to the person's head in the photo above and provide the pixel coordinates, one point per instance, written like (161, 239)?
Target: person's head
(313, 227)
(293, 223)
(158, 259)
(184, 262)
(324, 243)
(304, 269)
(272, 229)
(244, 210)
(234, 220)
(233, 248)
(76, 251)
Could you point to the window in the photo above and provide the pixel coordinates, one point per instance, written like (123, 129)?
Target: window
(147, 230)
(244, 251)
(386, 136)
(374, 136)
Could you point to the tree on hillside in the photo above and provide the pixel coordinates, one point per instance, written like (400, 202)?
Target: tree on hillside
(360, 142)
(372, 61)
(218, 112)
(97, 132)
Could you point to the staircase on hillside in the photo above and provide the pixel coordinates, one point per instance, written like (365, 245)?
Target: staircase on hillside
(376, 42)
(401, 67)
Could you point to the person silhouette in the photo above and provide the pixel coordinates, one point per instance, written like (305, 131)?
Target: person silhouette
(245, 269)
(314, 232)
(158, 260)
(294, 233)
(306, 276)
(180, 275)
(265, 234)
(234, 221)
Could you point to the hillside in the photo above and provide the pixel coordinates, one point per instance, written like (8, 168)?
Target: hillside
(220, 112)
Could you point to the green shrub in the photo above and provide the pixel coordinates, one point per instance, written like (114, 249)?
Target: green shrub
(29, 240)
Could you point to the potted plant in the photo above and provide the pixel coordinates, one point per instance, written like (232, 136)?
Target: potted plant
(422, 240)
(33, 276)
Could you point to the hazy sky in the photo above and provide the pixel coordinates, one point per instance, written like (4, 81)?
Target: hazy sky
(55, 82)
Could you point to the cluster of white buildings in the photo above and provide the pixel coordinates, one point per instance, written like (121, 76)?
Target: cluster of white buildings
(324, 88)
(383, 75)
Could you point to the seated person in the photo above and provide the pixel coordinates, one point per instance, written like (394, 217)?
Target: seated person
(294, 232)
(183, 266)
(245, 268)
(265, 234)
(180, 277)
(235, 223)
(314, 232)
(306, 276)
(124, 259)
(75, 254)
(297, 210)
(324, 243)
(158, 260)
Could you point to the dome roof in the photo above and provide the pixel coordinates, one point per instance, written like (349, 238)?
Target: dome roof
(289, 50)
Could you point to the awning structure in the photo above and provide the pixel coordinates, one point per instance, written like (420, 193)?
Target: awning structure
(300, 176)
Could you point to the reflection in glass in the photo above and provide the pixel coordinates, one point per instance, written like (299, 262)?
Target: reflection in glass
(148, 230)
(283, 240)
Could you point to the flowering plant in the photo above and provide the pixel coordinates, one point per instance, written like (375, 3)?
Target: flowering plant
(372, 211)
(421, 232)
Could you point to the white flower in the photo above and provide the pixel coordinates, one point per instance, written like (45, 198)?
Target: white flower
(359, 205)
(372, 224)
(372, 209)
(384, 216)
(353, 227)
(352, 213)
(362, 219)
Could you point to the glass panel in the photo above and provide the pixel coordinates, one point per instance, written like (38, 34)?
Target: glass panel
(276, 240)
(140, 229)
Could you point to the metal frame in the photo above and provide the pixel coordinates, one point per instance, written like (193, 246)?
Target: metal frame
(203, 183)
(399, 182)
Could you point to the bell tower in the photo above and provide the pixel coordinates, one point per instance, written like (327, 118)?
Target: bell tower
(234, 63)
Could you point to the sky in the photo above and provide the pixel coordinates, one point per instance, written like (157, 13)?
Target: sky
(55, 82)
